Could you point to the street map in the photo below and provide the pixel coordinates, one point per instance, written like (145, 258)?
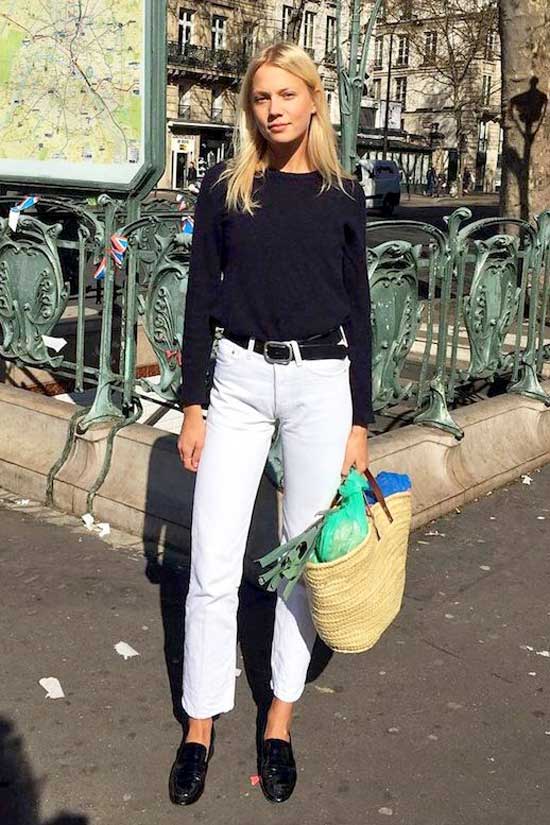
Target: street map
(71, 81)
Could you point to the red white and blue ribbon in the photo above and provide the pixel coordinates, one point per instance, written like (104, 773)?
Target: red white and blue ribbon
(15, 211)
(117, 251)
(182, 203)
(99, 274)
(119, 247)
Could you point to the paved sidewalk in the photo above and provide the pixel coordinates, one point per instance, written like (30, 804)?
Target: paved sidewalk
(445, 722)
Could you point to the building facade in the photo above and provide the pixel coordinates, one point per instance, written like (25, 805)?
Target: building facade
(445, 74)
(405, 112)
(209, 45)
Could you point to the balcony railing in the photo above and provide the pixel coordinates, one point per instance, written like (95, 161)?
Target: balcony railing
(203, 58)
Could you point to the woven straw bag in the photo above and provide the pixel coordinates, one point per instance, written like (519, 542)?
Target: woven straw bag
(355, 598)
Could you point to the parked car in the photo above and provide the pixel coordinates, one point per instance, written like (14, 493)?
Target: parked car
(381, 182)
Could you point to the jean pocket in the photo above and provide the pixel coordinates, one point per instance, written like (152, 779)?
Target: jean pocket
(229, 352)
(327, 367)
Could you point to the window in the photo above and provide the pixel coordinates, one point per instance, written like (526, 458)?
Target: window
(403, 50)
(218, 31)
(185, 28)
(401, 91)
(486, 89)
(491, 45)
(217, 105)
(379, 52)
(376, 88)
(330, 39)
(248, 37)
(287, 16)
(184, 107)
(309, 30)
(430, 47)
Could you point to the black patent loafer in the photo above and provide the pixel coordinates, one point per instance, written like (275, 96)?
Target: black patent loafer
(188, 774)
(277, 770)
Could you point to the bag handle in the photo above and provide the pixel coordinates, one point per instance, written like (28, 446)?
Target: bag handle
(378, 494)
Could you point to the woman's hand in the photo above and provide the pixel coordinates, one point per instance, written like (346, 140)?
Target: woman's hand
(191, 438)
(357, 453)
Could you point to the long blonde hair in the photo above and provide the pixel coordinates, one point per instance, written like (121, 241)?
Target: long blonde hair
(250, 146)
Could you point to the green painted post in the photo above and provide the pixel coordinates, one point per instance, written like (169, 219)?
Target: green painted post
(351, 78)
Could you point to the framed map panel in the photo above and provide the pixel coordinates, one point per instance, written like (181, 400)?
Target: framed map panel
(82, 93)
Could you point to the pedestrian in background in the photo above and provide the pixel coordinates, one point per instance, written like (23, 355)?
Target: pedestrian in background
(430, 181)
(466, 181)
(279, 261)
(191, 173)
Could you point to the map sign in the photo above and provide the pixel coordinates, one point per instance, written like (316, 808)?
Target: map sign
(72, 87)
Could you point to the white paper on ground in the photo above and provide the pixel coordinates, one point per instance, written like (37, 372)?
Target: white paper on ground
(104, 529)
(124, 649)
(53, 688)
(23, 501)
(88, 520)
(54, 343)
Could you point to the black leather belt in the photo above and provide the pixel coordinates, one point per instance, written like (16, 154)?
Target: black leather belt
(324, 345)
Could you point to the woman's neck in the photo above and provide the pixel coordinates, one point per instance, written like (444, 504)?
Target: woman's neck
(291, 160)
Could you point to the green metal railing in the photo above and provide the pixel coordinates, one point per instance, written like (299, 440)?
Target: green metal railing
(448, 307)
(482, 287)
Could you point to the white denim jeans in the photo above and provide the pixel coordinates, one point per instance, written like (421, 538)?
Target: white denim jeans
(312, 402)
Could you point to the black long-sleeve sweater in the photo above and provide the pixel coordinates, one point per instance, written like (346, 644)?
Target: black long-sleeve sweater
(295, 268)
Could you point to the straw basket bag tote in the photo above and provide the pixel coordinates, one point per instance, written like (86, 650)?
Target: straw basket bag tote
(356, 597)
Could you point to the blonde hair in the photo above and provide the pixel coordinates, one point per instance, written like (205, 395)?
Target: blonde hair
(250, 146)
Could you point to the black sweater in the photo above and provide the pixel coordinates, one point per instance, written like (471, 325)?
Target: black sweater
(296, 268)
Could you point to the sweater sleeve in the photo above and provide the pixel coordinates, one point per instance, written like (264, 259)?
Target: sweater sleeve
(204, 276)
(358, 324)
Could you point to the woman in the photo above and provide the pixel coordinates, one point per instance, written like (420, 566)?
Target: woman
(278, 261)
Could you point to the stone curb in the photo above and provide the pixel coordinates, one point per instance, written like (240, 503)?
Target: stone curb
(147, 493)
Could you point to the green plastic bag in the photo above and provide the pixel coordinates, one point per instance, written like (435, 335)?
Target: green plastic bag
(347, 526)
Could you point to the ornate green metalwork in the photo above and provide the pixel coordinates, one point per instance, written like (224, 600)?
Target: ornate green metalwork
(351, 78)
(396, 314)
(33, 293)
(491, 307)
(163, 312)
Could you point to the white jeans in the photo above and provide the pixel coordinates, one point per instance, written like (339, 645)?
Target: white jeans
(312, 401)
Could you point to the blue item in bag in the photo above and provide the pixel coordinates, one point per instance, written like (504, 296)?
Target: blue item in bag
(389, 484)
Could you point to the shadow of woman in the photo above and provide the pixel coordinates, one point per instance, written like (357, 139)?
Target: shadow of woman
(167, 538)
(19, 789)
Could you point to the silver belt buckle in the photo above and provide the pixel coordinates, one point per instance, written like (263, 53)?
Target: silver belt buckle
(282, 347)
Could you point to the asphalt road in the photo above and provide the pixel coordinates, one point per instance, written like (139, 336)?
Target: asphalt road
(426, 210)
(445, 722)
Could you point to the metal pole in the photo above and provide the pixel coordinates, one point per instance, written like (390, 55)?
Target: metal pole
(387, 112)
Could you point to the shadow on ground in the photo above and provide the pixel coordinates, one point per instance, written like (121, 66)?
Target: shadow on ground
(19, 788)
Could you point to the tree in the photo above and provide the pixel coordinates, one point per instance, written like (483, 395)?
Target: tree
(447, 41)
(524, 27)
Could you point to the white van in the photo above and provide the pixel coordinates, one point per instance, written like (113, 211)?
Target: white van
(381, 183)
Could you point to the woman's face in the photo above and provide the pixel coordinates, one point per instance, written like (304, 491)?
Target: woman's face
(282, 104)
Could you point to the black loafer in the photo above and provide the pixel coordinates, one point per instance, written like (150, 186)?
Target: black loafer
(188, 774)
(277, 770)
